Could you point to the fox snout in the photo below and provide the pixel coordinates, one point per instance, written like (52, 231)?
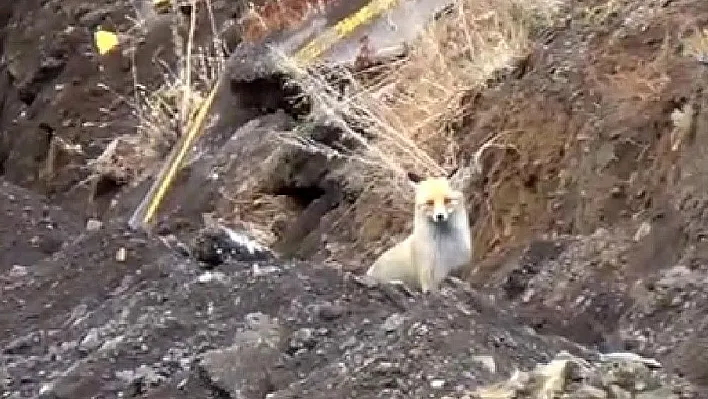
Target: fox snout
(440, 215)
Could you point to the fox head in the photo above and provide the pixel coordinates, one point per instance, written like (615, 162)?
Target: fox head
(436, 198)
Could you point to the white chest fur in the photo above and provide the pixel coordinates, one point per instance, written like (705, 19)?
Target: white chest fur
(442, 247)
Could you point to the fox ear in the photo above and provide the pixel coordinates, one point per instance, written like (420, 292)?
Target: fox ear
(459, 177)
(414, 177)
(452, 173)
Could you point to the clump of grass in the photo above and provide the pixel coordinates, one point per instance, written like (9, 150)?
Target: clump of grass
(412, 102)
(164, 112)
(696, 45)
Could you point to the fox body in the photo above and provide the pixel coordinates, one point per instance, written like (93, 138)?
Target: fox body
(439, 244)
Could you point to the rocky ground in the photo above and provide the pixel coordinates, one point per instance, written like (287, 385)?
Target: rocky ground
(114, 314)
(592, 240)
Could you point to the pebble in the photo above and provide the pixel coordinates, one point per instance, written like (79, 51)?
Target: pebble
(437, 384)
(93, 225)
(487, 362)
(121, 255)
(91, 341)
(393, 323)
(18, 271)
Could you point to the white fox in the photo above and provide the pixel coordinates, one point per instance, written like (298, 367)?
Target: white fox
(440, 242)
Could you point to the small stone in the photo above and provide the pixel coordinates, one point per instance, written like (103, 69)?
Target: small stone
(260, 271)
(617, 191)
(18, 271)
(393, 323)
(91, 341)
(121, 255)
(93, 225)
(329, 312)
(209, 276)
(365, 280)
(348, 343)
(5, 379)
(643, 230)
(182, 249)
(67, 346)
(661, 393)
(487, 362)
(302, 339)
(590, 392)
(437, 384)
(619, 393)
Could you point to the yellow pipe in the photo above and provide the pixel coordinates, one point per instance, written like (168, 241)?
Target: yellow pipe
(342, 29)
(192, 133)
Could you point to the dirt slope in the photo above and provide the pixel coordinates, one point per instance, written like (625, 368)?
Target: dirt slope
(607, 181)
(81, 324)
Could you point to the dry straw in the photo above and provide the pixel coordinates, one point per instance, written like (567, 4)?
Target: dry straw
(413, 101)
(164, 112)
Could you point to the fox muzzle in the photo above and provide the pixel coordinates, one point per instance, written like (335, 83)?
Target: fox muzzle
(440, 215)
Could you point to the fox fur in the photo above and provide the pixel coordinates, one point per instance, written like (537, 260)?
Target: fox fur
(440, 243)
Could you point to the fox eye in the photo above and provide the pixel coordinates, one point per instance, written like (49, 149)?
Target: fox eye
(430, 202)
(447, 201)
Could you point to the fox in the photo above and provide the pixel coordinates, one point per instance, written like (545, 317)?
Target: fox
(440, 242)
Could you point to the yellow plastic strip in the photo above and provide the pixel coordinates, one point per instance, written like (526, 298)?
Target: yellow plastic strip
(148, 207)
(342, 29)
(152, 200)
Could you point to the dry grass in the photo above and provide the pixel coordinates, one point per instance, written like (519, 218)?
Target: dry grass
(413, 102)
(411, 105)
(406, 111)
(696, 45)
(165, 112)
(398, 116)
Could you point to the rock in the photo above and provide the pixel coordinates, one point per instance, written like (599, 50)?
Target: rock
(437, 384)
(18, 271)
(90, 342)
(643, 230)
(5, 378)
(328, 311)
(573, 377)
(93, 225)
(209, 276)
(629, 375)
(302, 339)
(139, 380)
(630, 357)
(260, 271)
(215, 245)
(661, 393)
(121, 255)
(241, 371)
(365, 280)
(591, 392)
(69, 387)
(393, 323)
(487, 362)
(22, 344)
(619, 393)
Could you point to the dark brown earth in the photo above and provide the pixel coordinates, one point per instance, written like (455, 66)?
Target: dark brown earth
(593, 235)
